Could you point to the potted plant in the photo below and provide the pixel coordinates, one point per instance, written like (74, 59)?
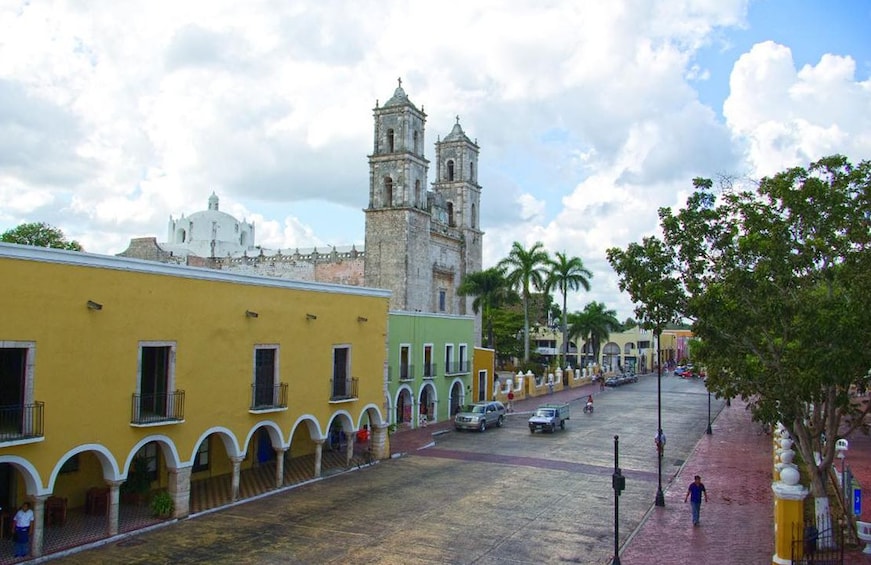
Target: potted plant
(138, 483)
(161, 504)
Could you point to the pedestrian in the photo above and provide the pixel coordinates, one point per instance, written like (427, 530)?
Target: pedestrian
(659, 440)
(23, 522)
(694, 494)
(550, 387)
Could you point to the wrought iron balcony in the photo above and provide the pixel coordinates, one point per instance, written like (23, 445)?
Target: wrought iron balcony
(456, 368)
(404, 372)
(430, 370)
(21, 422)
(271, 397)
(343, 389)
(158, 408)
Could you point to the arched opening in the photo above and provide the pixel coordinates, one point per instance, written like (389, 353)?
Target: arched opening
(451, 214)
(456, 397)
(450, 165)
(390, 140)
(180, 236)
(472, 171)
(416, 141)
(403, 407)
(418, 196)
(472, 220)
(388, 192)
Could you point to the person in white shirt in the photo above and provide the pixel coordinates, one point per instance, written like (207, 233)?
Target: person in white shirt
(23, 522)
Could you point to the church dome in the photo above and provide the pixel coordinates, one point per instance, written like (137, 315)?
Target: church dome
(210, 233)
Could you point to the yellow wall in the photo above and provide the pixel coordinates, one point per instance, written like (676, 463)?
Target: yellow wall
(86, 361)
(483, 360)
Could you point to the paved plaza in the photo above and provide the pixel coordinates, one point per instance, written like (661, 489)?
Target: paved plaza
(508, 496)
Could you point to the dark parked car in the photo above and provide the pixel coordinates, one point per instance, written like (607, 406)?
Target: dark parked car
(613, 381)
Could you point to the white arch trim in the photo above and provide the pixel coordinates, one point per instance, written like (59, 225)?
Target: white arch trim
(274, 433)
(31, 476)
(366, 409)
(166, 445)
(227, 438)
(311, 423)
(104, 456)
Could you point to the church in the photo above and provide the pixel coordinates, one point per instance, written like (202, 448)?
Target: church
(419, 242)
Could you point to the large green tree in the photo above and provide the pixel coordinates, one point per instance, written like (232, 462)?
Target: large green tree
(525, 269)
(39, 234)
(491, 291)
(593, 325)
(778, 286)
(565, 274)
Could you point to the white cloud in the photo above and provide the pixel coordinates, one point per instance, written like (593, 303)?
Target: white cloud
(789, 117)
(117, 115)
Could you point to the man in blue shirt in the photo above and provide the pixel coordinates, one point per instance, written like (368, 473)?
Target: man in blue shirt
(694, 494)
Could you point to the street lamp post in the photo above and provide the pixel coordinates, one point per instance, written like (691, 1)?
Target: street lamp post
(709, 431)
(618, 483)
(660, 497)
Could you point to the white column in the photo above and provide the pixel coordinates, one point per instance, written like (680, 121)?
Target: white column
(38, 524)
(237, 466)
(319, 454)
(114, 510)
(279, 466)
(179, 489)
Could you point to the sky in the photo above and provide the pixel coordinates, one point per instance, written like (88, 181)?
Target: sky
(115, 116)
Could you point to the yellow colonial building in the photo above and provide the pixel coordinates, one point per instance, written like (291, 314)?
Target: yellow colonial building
(131, 388)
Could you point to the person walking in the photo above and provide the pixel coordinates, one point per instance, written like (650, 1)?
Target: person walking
(694, 494)
(23, 521)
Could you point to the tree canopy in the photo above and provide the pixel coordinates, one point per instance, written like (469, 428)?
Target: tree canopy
(491, 291)
(525, 269)
(776, 279)
(565, 274)
(39, 234)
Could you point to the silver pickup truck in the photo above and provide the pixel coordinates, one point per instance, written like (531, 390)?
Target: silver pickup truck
(548, 416)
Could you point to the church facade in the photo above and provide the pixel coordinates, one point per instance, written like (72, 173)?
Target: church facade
(419, 242)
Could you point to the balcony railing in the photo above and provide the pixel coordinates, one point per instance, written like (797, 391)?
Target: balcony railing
(430, 370)
(270, 397)
(156, 408)
(456, 367)
(21, 421)
(404, 372)
(343, 389)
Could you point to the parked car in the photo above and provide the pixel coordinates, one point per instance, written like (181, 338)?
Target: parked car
(613, 381)
(480, 415)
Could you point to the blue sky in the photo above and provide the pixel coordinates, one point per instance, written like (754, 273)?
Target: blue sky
(590, 115)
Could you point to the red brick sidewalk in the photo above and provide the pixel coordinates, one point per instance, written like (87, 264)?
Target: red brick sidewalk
(735, 464)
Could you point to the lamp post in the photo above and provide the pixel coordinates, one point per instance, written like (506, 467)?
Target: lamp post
(841, 446)
(618, 483)
(709, 431)
(660, 497)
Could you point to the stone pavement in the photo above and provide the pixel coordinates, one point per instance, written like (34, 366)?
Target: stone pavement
(735, 463)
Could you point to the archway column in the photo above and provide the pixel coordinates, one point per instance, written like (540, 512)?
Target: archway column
(279, 466)
(349, 449)
(380, 446)
(114, 511)
(38, 524)
(237, 468)
(179, 488)
(319, 455)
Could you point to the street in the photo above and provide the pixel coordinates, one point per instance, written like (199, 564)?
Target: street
(504, 496)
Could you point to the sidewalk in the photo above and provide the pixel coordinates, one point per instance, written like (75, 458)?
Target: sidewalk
(735, 463)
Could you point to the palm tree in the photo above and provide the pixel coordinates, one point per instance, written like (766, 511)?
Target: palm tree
(524, 268)
(491, 291)
(567, 273)
(594, 325)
